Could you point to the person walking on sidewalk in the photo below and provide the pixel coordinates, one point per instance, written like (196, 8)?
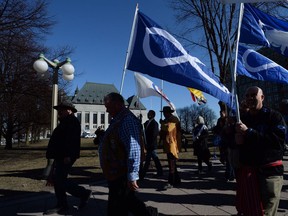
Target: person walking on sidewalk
(151, 128)
(64, 148)
(225, 129)
(260, 135)
(170, 135)
(120, 155)
(201, 150)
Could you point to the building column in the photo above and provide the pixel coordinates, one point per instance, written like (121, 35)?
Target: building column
(91, 129)
(106, 123)
(82, 121)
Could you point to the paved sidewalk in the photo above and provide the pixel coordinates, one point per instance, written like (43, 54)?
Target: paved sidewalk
(205, 194)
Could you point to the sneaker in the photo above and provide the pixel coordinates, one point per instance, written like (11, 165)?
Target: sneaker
(59, 210)
(168, 186)
(84, 200)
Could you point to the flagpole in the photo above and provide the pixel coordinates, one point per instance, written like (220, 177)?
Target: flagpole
(138, 100)
(139, 108)
(233, 73)
(235, 62)
(233, 76)
(129, 47)
(161, 101)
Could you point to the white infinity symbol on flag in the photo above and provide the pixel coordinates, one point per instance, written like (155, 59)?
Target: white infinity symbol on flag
(258, 68)
(162, 62)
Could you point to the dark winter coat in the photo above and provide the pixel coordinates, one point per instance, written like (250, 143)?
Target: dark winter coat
(65, 139)
(264, 140)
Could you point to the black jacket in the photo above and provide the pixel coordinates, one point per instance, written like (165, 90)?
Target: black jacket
(151, 133)
(65, 139)
(264, 139)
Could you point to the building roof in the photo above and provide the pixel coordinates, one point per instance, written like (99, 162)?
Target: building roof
(93, 93)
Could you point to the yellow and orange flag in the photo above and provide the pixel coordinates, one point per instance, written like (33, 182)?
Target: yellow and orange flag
(197, 96)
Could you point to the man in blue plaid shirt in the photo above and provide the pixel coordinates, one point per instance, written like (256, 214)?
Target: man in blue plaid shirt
(120, 154)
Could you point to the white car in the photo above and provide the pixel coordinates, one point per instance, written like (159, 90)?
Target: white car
(90, 136)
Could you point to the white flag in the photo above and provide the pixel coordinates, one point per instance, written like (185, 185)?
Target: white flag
(247, 1)
(146, 88)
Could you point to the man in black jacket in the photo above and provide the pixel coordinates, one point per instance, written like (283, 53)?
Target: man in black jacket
(151, 133)
(260, 137)
(64, 148)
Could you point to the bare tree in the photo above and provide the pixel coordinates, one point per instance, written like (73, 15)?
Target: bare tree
(207, 29)
(208, 24)
(188, 116)
(208, 115)
(185, 119)
(27, 18)
(21, 92)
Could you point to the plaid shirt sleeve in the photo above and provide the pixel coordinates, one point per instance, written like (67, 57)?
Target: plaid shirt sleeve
(129, 133)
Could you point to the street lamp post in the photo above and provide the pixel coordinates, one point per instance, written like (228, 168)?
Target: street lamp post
(41, 65)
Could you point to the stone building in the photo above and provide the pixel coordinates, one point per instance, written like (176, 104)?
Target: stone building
(91, 110)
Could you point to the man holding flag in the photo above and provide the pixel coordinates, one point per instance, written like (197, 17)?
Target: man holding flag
(260, 136)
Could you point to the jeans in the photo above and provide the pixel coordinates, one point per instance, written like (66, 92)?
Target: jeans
(121, 200)
(270, 189)
(62, 184)
(151, 154)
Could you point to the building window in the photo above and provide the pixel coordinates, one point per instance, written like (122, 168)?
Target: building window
(102, 118)
(95, 118)
(87, 118)
(79, 117)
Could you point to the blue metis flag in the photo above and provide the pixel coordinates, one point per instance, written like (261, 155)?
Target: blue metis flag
(256, 66)
(262, 29)
(157, 53)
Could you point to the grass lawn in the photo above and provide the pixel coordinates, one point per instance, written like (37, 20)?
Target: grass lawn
(22, 167)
